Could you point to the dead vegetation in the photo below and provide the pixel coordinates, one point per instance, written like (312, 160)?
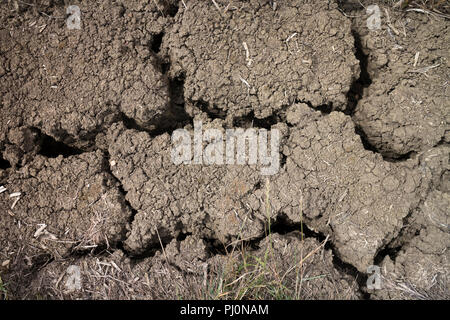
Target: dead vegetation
(3, 290)
(261, 275)
(245, 275)
(437, 6)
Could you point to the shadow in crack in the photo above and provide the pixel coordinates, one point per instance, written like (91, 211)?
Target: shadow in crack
(4, 164)
(51, 148)
(364, 81)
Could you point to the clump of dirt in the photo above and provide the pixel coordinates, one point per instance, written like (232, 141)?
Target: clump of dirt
(420, 269)
(343, 189)
(417, 262)
(24, 144)
(72, 84)
(64, 205)
(209, 201)
(249, 57)
(405, 109)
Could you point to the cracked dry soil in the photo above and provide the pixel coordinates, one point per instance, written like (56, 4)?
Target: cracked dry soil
(85, 137)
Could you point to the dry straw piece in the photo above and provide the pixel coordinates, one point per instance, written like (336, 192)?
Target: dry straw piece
(15, 194)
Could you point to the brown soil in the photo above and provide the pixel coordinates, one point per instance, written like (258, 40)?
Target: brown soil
(85, 137)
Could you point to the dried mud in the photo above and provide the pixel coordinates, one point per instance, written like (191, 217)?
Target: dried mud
(85, 137)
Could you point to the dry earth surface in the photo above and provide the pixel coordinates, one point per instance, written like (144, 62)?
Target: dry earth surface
(85, 137)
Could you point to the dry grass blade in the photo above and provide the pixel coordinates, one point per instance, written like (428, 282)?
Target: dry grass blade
(307, 256)
(217, 6)
(436, 8)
